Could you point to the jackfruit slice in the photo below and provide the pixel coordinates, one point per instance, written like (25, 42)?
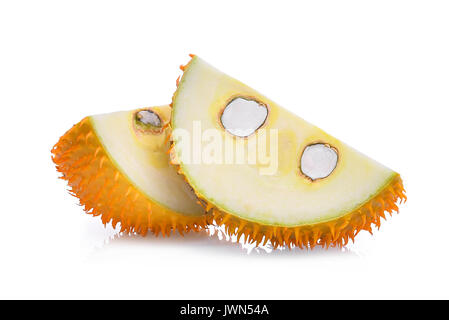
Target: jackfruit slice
(321, 192)
(117, 164)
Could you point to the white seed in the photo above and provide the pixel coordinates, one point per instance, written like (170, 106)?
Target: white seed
(243, 117)
(149, 117)
(318, 161)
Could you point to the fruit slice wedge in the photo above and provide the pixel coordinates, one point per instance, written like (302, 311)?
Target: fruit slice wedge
(118, 166)
(320, 191)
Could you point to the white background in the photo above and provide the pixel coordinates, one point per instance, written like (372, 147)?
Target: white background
(373, 73)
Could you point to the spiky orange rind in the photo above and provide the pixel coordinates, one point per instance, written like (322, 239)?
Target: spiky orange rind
(105, 191)
(335, 233)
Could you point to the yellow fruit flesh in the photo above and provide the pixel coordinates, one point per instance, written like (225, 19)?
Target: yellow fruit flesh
(286, 207)
(138, 190)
